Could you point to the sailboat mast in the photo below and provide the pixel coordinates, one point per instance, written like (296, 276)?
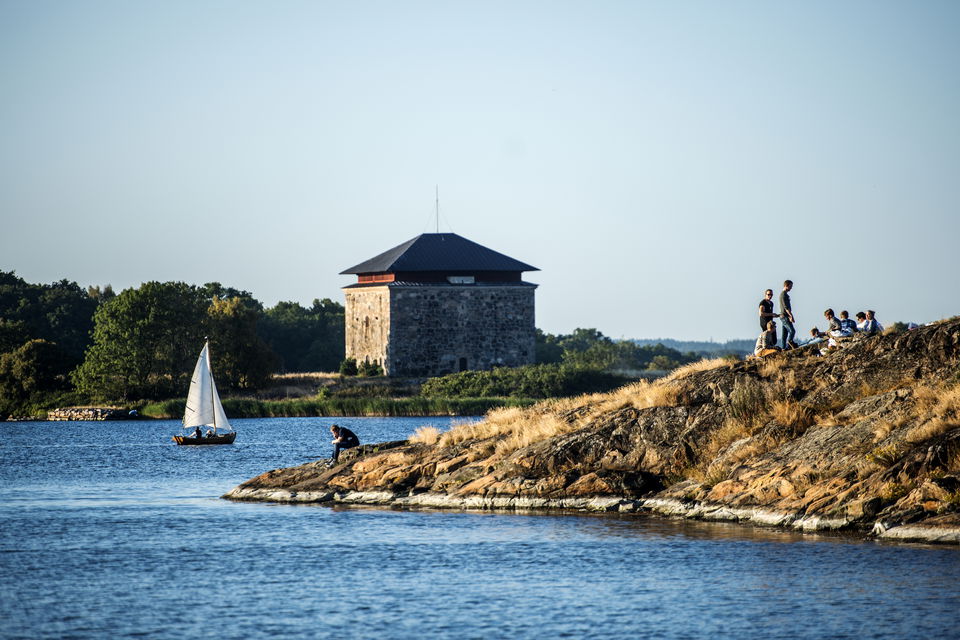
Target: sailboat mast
(213, 388)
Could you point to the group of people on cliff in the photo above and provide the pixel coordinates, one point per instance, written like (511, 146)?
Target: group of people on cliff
(837, 327)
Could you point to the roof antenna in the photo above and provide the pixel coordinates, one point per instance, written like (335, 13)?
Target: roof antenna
(438, 207)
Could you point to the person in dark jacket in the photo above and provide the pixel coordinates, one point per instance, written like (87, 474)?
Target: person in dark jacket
(343, 438)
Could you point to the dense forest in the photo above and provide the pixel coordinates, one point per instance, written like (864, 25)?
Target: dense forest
(61, 344)
(64, 345)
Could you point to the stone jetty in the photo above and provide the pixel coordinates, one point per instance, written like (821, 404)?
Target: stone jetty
(88, 413)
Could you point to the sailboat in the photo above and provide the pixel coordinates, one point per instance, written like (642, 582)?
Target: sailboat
(204, 409)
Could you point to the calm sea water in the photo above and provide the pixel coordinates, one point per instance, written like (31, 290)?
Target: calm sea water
(108, 530)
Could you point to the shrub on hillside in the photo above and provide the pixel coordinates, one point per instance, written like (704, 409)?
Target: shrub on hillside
(530, 381)
(348, 367)
(369, 369)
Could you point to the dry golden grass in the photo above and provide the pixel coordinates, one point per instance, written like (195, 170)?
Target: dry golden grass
(827, 419)
(425, 435)
(515, 428)
(694, 367)
(772, 367)
(749, 403)
(882, 430)
(791, 413)
(498, 422)
(938, 409)
(639, 395)
(731, 431)
(530, 430)
(925, 398)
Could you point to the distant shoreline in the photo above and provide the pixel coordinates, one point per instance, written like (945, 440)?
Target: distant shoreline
(295, 408)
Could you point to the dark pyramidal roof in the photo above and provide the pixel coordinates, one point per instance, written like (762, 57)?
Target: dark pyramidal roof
(439, 252)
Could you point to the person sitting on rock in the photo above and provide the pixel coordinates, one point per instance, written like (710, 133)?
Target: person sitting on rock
(835, 329)
(861, 320)
(818, 337)
(343, 438)
(847, 323)
(870, 325)
(767, 342)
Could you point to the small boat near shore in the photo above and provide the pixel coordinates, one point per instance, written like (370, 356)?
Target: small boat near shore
(204, 409)
(220, 438)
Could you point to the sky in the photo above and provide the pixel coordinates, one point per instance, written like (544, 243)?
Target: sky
(661, 163)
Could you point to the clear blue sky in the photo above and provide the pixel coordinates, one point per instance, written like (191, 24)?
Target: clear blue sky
(661, 162)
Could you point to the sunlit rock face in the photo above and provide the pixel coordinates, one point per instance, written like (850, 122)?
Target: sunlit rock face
(865, 437)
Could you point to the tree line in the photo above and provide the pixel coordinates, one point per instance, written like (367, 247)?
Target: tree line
(590, 349)
(61, 342)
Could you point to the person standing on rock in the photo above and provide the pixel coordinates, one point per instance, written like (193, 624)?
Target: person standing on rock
(786, 316)
(343, 438)
(766, 309)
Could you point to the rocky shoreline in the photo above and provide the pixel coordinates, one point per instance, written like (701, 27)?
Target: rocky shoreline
(864, 439)
(949, 534)
(88, 413)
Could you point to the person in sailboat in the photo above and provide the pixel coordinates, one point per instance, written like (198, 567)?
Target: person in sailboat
(343, 438)
(198, 433)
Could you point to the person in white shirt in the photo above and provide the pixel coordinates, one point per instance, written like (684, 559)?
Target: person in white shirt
(871, 326)
(861, 320)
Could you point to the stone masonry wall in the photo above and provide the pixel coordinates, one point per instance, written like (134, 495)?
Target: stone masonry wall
(437, 330)
(367, 323)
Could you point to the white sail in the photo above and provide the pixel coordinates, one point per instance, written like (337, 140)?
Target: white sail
(203, 401)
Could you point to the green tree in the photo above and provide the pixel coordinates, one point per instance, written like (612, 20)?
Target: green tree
(242, 359)
(101, 294)
(60, 313)
(145, 342)
(548, 349)
(305, 339)
(27, 371)
(216, 290)
(590, 349)
(530, 381)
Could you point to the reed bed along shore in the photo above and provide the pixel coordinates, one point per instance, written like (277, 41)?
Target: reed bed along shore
(342, 407)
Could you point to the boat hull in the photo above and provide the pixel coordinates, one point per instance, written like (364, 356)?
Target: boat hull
(220, 438)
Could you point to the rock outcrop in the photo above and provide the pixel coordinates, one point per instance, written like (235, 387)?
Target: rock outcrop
(88, 413)
(863, 438)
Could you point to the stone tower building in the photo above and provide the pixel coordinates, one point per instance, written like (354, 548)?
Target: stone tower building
(437, 304)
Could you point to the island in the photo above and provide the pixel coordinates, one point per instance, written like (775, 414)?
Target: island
(863, 436)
